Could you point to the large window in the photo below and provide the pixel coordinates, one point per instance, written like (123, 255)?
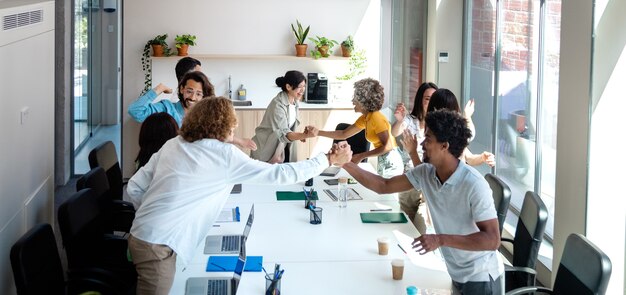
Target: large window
(511, 70)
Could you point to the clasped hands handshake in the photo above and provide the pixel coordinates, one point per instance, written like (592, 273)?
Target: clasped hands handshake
(340, 153)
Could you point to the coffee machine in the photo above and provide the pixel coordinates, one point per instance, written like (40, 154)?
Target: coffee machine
(317, 88)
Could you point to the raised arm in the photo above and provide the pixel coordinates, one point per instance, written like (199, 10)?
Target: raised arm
(398, 126)
(143, 107)
(376, 182)
(409, 143)
(479, 159)
(341, 134)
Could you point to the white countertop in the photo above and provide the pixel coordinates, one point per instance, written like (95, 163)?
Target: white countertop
(343, 105)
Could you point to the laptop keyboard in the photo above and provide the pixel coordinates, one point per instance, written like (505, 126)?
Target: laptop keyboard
(217, 287)
(230, 243)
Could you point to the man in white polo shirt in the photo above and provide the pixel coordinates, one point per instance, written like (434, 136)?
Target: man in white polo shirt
(460, 204)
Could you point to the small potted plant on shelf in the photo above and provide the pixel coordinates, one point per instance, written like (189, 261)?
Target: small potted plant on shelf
(347, 46)
(323, 46)
(159, 48)
(300, 38)
(183, 42)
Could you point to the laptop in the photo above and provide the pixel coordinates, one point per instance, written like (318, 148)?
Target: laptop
(230, 244)
(218, 285)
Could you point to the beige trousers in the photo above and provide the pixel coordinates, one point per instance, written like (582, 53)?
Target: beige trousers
(413, 205)
(155, 265)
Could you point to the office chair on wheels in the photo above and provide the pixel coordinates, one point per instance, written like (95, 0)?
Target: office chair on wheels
(501, 197)
(584, 269)
(528, 236)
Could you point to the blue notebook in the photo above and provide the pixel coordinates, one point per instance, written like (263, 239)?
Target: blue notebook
(227, 263)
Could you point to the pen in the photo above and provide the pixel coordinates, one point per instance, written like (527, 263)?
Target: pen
(401, 248)
(380, 210)
(216, 225)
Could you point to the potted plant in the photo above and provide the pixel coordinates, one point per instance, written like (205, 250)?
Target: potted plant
(323, 46)
(183, 42)
(300, 38)
(347, 46)
(159, 48)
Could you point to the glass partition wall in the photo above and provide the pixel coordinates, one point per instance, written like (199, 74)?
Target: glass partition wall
(407, 50)
(511, 71)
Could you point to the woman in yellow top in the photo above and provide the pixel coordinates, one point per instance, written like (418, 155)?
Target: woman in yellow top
(368, 100)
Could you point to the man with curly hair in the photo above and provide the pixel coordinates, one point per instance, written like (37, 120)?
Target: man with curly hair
(369, 97)
(180, 192)
(460, 204)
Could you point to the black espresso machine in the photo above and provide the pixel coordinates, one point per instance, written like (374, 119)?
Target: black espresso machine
(317, 88)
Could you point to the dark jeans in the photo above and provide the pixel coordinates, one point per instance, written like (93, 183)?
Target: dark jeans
(480, 288)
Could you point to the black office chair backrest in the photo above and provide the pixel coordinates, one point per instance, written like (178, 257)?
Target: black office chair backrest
(584, 268)
(36, 264)
(528, 236)
(358, 143)
(501, 197)
(105, 156)
(96, 179)
(80, 224)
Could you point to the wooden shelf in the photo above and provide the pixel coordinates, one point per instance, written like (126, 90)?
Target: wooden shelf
(257, 57)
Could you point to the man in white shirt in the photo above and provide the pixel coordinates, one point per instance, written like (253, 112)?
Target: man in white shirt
(180, 192)
(460, 203)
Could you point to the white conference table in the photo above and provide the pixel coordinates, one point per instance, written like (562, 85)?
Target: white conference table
(339, 256)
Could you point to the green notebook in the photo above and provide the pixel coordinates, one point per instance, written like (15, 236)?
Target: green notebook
(293, 196)
(393, 217)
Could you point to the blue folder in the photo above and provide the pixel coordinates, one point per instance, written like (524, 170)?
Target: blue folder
(227, 263)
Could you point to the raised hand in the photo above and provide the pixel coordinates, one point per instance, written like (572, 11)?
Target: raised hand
(248, 144)
(400, 112)
(489, 159)
(469, 108)
(161, 88)
(409, 141)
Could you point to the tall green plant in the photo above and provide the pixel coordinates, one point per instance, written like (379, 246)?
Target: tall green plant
(300, 33)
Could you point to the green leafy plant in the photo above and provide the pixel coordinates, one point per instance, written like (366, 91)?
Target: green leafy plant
(348, 43)
(300, 33)
(323, 46)
(185, 39)
(357, 64)
(145, 59)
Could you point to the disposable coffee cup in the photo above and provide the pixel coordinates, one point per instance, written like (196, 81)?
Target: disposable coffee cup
(383, 246)
(397, 268)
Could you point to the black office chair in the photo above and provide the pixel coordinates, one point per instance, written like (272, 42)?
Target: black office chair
(105, 156)
(118, 215)
(501, 197)
(86, 242)
(37, 268)
(584, 269)
(358, 143)
(528, 236)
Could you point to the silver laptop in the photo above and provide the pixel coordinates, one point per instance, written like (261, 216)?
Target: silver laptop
(230, 244)
(218, 285)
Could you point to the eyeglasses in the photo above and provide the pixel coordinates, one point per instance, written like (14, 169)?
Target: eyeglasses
(189, 92)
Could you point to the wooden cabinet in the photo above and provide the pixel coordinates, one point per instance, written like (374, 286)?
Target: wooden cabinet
(323, 119)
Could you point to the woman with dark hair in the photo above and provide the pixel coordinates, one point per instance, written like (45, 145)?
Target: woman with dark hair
(276, 134)
(155, 131)
(369, 97)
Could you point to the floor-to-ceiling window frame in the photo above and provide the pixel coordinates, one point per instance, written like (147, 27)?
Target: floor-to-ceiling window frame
(511, 71)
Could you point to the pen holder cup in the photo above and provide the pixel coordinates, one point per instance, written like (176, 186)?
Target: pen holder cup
(308, 203)
(315, 215)
(272, 285)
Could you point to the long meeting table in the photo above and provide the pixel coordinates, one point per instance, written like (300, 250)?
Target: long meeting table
(338, 256)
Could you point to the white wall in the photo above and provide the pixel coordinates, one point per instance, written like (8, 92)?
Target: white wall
(445, 33)
(606, 206)
(26, 155)
(235, 27)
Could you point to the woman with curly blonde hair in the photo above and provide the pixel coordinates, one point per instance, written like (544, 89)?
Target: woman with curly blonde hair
(180, 192)
(368, 99)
